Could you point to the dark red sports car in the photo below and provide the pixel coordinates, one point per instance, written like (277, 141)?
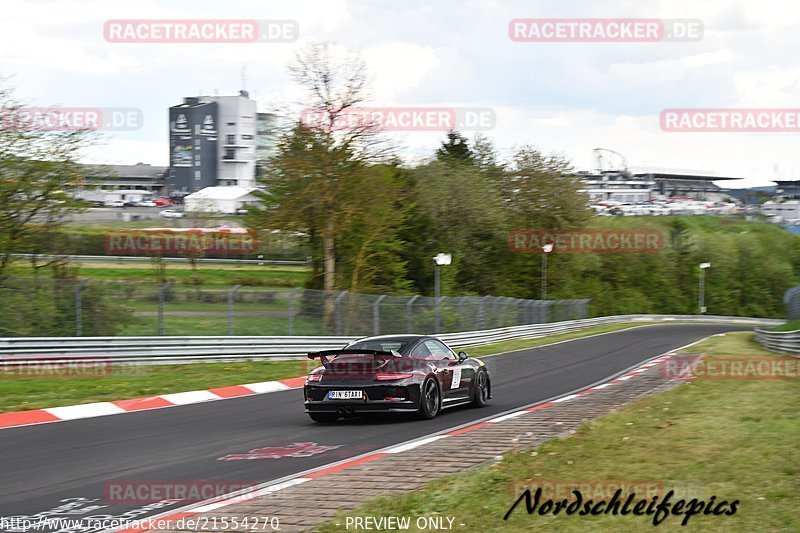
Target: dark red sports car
(394, 373)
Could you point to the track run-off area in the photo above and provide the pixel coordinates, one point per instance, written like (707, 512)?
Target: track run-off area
(75, 465)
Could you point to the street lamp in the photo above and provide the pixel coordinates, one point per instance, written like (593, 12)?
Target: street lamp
(702, 295)
(440, 260)
(546, 249)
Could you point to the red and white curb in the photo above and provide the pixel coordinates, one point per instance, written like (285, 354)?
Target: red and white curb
(90, 410)
(303, 477)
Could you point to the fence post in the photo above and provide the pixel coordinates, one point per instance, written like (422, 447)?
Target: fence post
(410, 313)
(338, 310)
(548, 305)
(161, 292)
(441, 300)
(376, 315)
(79, 308)
(231, 296)
(462, 317)
(479, 317)
(290, 319)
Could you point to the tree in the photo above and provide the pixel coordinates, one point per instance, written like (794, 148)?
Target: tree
(543, 192)
(371, 242)
(37, 165)
(455, 147)
(310, 180)
(466, 219)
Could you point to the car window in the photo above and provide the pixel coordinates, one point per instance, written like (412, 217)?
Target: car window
(438, 350)
(421, 351)
(383, 345)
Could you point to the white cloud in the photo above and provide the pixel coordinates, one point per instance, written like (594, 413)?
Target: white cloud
(397, 67)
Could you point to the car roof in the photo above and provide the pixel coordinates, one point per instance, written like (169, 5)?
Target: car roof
(406, 337)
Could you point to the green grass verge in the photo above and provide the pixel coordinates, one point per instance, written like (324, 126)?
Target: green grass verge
(730, 439)
(227, 275)
(792, 325)
(218, 325)
(22, 393)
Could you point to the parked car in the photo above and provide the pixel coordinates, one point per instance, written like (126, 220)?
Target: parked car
(162, 202)
(145, 203)
(116, 203)
(172, 213)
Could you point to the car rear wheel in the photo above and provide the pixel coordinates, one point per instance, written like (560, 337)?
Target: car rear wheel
(480, 394)
(324, 417)
(429, 399)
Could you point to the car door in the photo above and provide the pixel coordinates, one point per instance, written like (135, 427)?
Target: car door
(458, 378)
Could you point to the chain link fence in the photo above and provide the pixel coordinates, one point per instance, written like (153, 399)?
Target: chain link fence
(46, 307)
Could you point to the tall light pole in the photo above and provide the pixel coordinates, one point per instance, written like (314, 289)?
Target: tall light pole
(440, 260)
(546, 249)
(702, 295)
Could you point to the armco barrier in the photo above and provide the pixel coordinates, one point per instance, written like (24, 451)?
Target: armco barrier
(787, 342)
(177, 350)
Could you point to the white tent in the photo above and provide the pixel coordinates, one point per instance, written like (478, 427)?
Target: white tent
(226, 200)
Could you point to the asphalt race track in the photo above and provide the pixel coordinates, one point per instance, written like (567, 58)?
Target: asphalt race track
(43, 466)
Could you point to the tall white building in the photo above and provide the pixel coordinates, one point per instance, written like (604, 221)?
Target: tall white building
(236, 148)
(216, 141)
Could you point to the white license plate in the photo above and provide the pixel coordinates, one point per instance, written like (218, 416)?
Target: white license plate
(345, 395)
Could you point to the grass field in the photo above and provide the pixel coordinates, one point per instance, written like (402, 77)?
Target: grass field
(218, 325)
(792, 325)
(123, 382)
(736, 440)
(21, 393)
(273, 276)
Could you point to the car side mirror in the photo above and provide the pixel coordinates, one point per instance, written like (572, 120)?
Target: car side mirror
(462, 356)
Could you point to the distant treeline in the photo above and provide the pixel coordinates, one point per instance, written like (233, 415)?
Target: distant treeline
(382, 224)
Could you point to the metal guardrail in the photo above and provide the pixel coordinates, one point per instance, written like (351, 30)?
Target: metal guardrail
(787, 342)
(180, 350)
(140, 258)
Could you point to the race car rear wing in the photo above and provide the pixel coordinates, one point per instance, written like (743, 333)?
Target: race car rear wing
(324, 354)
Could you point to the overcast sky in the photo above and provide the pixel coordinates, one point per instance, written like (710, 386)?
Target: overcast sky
(564, 97)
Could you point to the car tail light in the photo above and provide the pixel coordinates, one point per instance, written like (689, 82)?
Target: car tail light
(390, 376)
(315, 377)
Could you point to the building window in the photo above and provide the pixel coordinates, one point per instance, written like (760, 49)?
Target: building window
(230, 139)
(230, 153)
(247, 137)
(231, 123)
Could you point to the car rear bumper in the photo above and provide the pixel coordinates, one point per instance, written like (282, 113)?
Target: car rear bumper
(346, 408)
(404, 398)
